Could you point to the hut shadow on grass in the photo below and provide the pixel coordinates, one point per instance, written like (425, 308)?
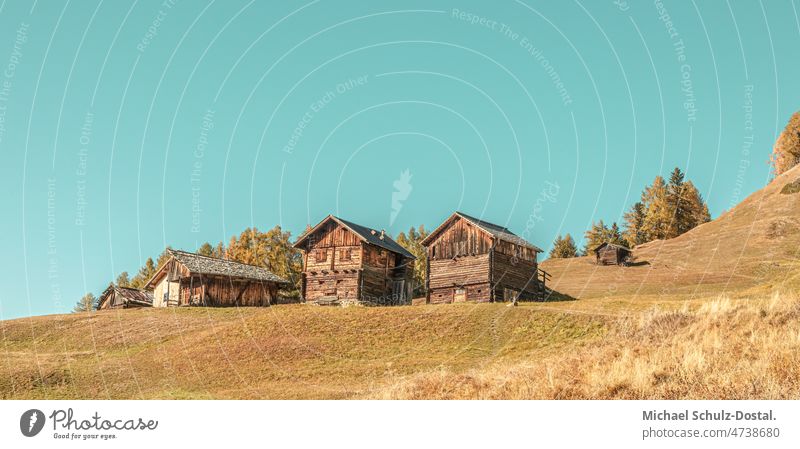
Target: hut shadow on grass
(554, 296)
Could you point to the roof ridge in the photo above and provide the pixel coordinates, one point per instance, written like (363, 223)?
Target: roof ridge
(217, 258)
(481, 220)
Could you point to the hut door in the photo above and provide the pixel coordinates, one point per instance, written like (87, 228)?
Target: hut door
(460, 295)
(398, 290)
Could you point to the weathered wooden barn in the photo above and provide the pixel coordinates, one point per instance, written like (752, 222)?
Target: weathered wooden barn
(115, 297)
(470, 259)
(346, 263)
(612, 254)
(189, 279)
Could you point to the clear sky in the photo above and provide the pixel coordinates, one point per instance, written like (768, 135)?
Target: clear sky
(125, 127)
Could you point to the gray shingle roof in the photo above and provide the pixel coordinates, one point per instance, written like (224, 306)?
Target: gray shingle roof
(129, 294)
(611, 245)
(198, 264)
(375, 239)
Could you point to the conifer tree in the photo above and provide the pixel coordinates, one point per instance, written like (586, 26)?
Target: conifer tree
(122, 280)
(86, 304)
(634, 222)
(145, 273)
(206, 250)
(564, 247)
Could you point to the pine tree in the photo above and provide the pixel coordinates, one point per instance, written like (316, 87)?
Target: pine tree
(145, 273)
(564, 247)
(206, 250)
(122, 280)
(634, 223)
(86, 304)
(614, 235)
(681, 219)
(786, 152)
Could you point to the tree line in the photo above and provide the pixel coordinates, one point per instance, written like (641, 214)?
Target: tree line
(665, 210)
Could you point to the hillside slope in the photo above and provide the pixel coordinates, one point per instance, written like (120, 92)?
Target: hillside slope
(288, 351)
(751, 248)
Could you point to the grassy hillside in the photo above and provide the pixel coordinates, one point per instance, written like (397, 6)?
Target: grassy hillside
(719, 331)
(749, 250)
(725, 349)
(292, 351)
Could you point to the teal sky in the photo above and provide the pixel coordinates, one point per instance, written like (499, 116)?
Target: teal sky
(542, 116)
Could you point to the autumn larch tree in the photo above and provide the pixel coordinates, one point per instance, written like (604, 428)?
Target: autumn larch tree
(786, 152)
(412, 242)
(564, 247)
(271, 250)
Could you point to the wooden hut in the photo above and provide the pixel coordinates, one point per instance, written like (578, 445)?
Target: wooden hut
(189, 279)
(612, 254)
(115, 297)
(345, 263)
(470, 259)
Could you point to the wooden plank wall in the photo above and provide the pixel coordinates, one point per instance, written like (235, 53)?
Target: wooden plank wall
(461, 238)
(516, 274)
(331, 261)
(224, 292)
(459, 271)
(514, 250)
(462, 257)
(337, 263)
(474, 293)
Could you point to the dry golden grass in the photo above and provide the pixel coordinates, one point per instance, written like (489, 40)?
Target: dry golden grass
(697, 319)
(751, 249)
(289, 351)
(723, 349)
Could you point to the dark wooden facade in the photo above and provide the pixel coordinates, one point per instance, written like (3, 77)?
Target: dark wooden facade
(611, 254)
(348, 263)
(188, 279)
(115, 297)
(473, 260)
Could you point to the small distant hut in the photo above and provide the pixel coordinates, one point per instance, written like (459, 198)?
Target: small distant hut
(612, 254)
(115, 297)
(189, 279)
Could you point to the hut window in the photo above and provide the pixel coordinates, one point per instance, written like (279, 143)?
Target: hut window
(321, 255)
(344, 254)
